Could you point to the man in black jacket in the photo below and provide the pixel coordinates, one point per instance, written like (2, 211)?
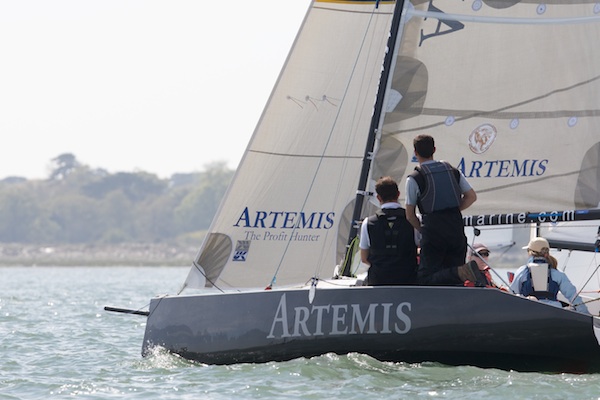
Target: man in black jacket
(387, 240)
(441, 192)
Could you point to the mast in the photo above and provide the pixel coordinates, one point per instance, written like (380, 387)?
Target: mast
(361, 192)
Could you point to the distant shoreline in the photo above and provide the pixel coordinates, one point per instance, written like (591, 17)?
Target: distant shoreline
(127, 254)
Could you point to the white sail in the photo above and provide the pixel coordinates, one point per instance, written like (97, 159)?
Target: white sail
(281, 216)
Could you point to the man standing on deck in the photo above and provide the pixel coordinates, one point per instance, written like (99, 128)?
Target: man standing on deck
(441, 192)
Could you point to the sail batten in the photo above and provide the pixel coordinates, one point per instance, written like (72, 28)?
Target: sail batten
(503, 20)
(270, 153)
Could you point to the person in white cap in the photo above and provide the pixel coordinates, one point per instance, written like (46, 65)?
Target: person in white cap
(540, 279)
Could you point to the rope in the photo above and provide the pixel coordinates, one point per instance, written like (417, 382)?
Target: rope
(348, 257)
(201, 271)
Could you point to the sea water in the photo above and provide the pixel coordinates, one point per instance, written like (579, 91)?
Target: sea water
(56, 341)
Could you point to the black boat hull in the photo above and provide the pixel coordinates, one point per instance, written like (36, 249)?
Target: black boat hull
(451, 325)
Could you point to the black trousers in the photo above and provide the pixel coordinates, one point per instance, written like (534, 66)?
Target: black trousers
(443, 248)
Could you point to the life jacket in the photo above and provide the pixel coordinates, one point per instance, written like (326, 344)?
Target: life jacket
(392, 242)
(488, 278)
(539, 283)
(439, 184)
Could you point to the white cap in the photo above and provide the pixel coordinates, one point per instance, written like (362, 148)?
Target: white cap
(537, 244)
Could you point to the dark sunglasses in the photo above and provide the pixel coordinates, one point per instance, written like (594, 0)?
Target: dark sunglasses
(484, 253)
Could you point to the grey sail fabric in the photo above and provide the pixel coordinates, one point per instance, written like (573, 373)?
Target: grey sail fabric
(511, 94)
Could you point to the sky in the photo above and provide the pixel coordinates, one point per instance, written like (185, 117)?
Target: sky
(137, 85)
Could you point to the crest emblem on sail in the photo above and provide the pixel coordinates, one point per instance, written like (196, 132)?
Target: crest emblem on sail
(482, 138)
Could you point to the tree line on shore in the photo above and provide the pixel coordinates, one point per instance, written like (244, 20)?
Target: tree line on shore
(80, 205)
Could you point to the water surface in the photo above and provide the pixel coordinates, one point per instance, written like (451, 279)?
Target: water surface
(56, 341)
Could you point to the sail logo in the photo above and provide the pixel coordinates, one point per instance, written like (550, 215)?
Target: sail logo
(482, 138)
(285, 219)
(241, 250)
(339, 319)
(503, 168)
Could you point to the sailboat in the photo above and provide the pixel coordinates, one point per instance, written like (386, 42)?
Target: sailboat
(509, 89)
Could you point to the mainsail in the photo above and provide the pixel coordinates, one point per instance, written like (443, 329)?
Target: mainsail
(509, 89)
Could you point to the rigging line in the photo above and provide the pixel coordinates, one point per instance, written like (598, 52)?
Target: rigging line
(502, 20)
(325, 147)
(201, 271)
(272, 153)
(589, 279)
(567, 261)
(160, 299)
(474, 113)
(493, 270)
(586, 302)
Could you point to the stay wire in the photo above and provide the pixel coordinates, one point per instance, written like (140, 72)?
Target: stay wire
(588, 280)
(201, 271)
